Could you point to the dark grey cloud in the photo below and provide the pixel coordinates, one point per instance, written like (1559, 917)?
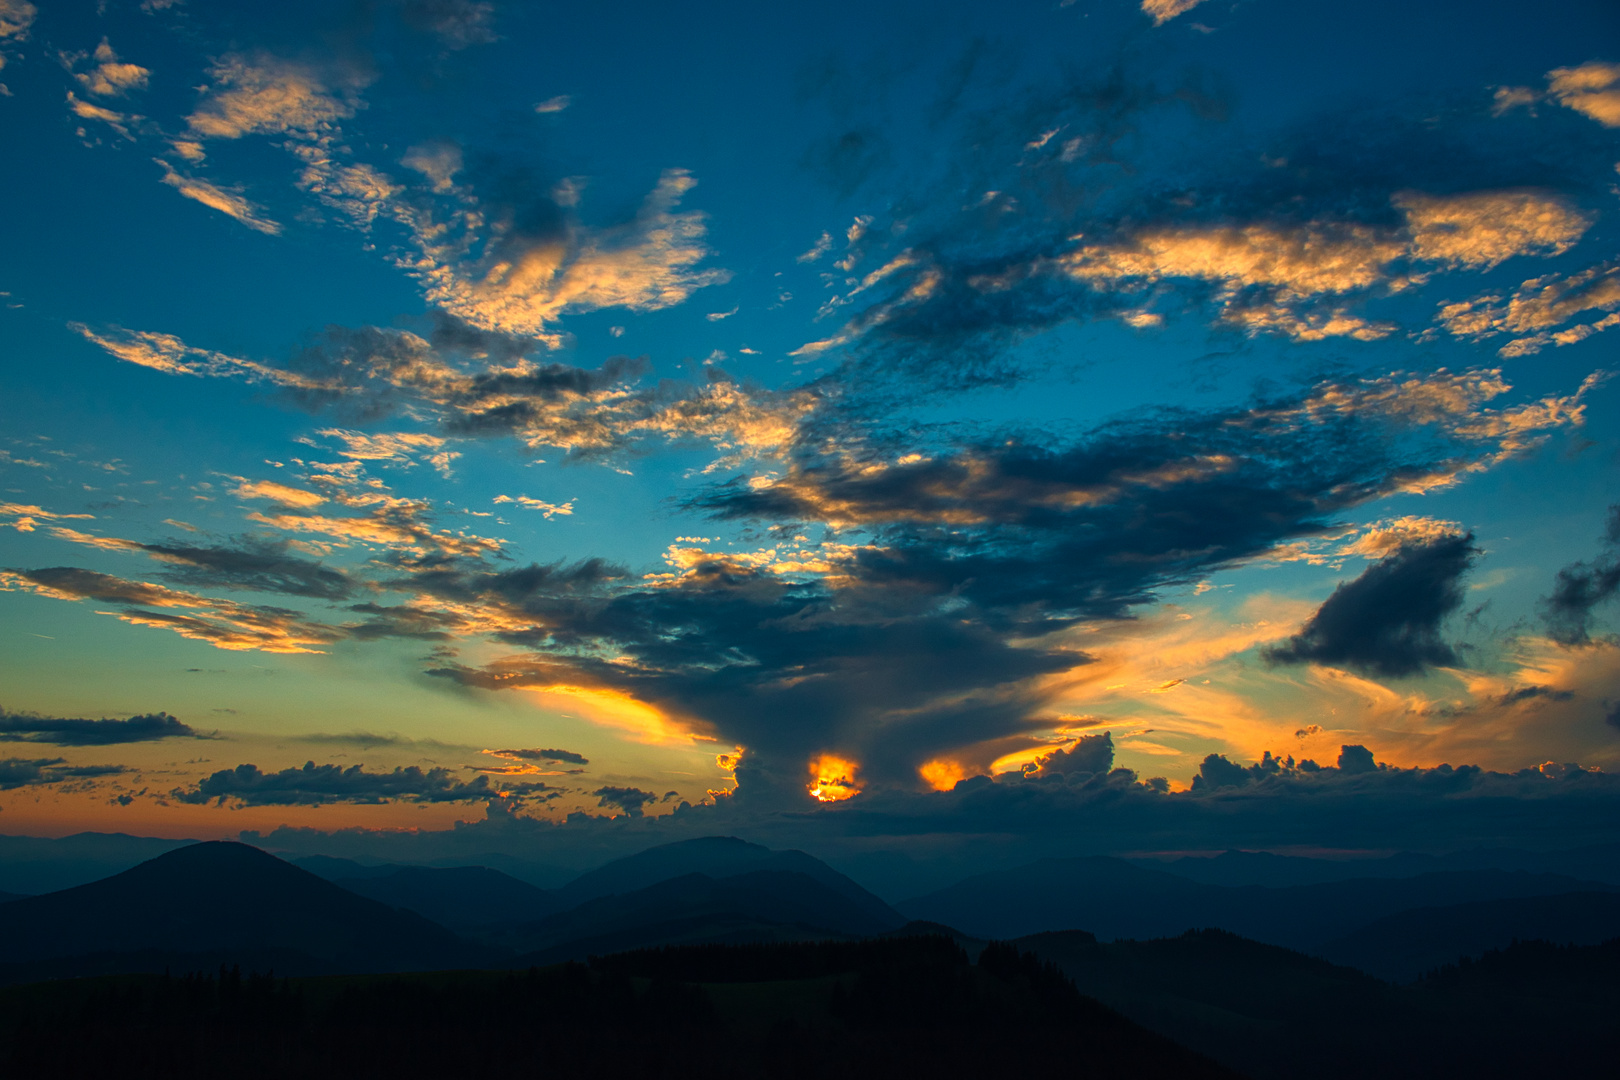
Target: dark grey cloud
(567, 757)
(905, 651)
(1388, 620)
(255, 564)
(1090, 755)
(1582, 587)
(63, 731)
(628, 799)
(317, 785)
(32, 772)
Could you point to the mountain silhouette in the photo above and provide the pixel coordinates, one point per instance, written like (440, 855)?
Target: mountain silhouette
(1114, 898)
(461, 897)
(1598, 862)
(213, 902)
(31, 865)
(1402, 946)
(335, 869)
(759, 905)
(717, 857)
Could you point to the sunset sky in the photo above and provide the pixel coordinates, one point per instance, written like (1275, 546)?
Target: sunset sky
(729, 414)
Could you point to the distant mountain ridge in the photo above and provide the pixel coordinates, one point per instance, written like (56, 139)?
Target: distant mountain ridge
(222, 898)
(692, 908)
(464, 898)
(1117, 899)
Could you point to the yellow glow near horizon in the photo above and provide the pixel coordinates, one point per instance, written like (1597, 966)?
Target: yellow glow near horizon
(616, 709)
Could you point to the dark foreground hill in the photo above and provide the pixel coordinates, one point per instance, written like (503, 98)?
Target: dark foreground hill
(207, 903)
(894, 1007)
(1403, 946)
(1533, 1009)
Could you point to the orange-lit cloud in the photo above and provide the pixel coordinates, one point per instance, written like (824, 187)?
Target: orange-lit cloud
(833, 779)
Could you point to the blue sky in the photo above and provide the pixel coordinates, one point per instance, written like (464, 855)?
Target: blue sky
(643, 413)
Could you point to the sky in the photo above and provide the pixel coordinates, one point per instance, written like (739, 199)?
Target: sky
(1095, 424)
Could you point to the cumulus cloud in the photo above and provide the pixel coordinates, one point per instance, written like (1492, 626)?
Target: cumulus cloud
(629, 800)
(1388, 620)
(320, 785)
(1582, 587)
(62, 731)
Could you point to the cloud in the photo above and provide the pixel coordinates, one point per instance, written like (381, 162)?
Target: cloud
(16, 16)
(1162, 11)
(298, 498)
(627, 799)
(251, 563)
(231, 203)
(554, 104)
(1479, 230)
(567, 757)
(168, 354)
(1582, 587)
(1593, 89)
(545, 508)
(401, 448)
(59, 731)
(1387, 621)
(224, 624)
(904, 842)
(357, 191)
(535, 264)
(111, 77)
(320, 785)
(943, 638)
(458, 23)
(267, 95)
(1535, 307)
(32, 772)
(26, 517)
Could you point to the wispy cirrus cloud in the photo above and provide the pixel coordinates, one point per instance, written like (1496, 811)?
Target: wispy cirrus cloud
(224, 624)
(254, 564)
(230, 203)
